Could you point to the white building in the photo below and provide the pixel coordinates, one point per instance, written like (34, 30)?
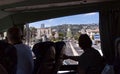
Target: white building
(43, 32)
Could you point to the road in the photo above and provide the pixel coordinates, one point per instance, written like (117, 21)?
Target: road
(72, 49)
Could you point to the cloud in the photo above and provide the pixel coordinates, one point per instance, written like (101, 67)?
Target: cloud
(89, 14)
(50, 20)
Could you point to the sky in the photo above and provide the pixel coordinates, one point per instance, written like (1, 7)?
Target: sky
(88, 18)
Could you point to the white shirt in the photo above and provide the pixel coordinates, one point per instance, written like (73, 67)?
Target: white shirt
(24, 60)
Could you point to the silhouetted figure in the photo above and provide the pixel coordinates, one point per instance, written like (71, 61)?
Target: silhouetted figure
(24, 53)
(90, 62)
(8, 58)
(60, 49)
(45, 57)
(38, 50)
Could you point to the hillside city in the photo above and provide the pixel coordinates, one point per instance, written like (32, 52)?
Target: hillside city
(65, 31)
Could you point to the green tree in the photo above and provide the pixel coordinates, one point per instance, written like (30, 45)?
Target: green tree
(33, 31)
(76, 36)
(69, 33)
(61, 35)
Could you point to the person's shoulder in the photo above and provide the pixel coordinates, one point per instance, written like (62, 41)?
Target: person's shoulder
(22, 46)
(3, 44)
(25, 45)
(7, 46)
(96, 51)
(91, 52)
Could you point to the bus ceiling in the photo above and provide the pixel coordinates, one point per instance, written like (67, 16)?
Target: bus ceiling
(19, 12)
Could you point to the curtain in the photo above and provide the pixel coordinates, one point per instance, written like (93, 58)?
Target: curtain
(109, 31)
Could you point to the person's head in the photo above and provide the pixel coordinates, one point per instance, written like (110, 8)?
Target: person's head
(44, 49)
(84, 41)
(50, 55)
(60, 49)
(46, 57)
(14, 35)
(38, 50)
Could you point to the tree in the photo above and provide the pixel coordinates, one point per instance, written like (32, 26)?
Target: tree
(69, 33)
(33, 31)
(77, 35)
(61, 35)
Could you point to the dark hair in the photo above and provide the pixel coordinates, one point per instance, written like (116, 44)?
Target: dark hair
(58, 47)
(40, 49)
(85, 41)
(14, 34)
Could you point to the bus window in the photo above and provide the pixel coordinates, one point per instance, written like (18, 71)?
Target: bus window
(68, 29)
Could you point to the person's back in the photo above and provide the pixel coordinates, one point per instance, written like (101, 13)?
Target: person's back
(8, 57)
(60, 50)
(90, 62)
(25, 61)
(24, 53)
